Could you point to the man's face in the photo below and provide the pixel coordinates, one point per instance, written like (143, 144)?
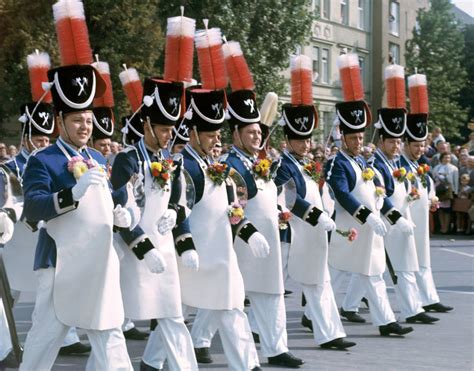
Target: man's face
(442, 147)
(250, 137)
(177, 148)
(114, 147)
(463, 159)
(217, 151)
(353, 142)
(103, 146)
(3, 150)
(163, 134)
(416, 149)
(39, 141)
(77, 128)
(300, 146)
(208, 140)
(390, 147)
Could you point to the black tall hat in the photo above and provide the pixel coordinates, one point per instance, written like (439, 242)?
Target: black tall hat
(299, 120)
(103, 118)
(353, 116)
(162, 101)
(132, 128)
(74, 87)
(206, 109)
(242, 109)
(39, 121)
(417, 127)
(391, 122)
(181, 134)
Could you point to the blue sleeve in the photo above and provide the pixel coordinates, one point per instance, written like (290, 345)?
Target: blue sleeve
(41, 203)
(342, 187)
(301, 207)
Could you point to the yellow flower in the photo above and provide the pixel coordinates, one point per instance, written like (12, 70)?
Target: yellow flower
(79, 169)
(156, 166)
(379, 191)
(411, 176)
(368, 174)
(238, 212)
(258, 168)
(403, 171)
(264, 164)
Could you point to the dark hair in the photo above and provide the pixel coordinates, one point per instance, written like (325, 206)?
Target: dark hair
(443, 155)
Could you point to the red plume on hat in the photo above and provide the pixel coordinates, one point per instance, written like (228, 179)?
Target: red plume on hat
(418, 93)
(132, 86)
(211, 58)
(351, 79)
(395, 86)
(38, 66)
(237, 68)
(179, 48)
(73, 36)
(106, 100)
(301, 80)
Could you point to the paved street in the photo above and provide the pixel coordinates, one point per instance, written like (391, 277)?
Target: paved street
(446, 345)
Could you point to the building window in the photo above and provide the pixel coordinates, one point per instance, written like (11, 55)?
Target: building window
(394, 18)
(362, 15)
(316, 63)
(324, 78)
(317, 7)
(326, 9)
(394, 52)
(344, 12)
(363, 69)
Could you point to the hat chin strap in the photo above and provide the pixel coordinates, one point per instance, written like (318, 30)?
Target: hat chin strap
(61, 117)
(199, 141)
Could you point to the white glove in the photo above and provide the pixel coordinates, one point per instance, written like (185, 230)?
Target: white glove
(259, 245)
(155, 261)
(90, 177)
(190, 259)
(6, 228)
(405, 225)
(122, 217)
(377, 224)
(167, 221)
(326, 222)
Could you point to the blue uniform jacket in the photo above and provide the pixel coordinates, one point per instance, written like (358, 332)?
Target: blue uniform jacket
(20, 160)
(233, 161)
(47, 185)
(126, 164)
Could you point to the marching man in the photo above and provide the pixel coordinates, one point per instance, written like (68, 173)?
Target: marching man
(65, 185)
(309, 224)
(415, 137)
(358, 205)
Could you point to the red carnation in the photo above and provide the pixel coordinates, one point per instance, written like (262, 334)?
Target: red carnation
(165, 176)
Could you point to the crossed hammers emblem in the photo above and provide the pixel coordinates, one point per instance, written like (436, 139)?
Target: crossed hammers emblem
(302, 121)
(173, 102)
(357, 114)
(82, 82)
(216, 107)
(397, 121)
(45, 117)
(251, 103)
(105, 122)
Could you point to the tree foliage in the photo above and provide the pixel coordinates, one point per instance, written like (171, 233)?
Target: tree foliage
(467, 94)
(436, 49)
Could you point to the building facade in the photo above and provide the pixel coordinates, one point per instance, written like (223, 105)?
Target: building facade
(374, 29)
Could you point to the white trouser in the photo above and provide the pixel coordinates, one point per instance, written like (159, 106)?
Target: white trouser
(5, 340)
(127, 324)
(267, 318)
(170, 340)
(235, 333)
(285, 253)
(376, 293)
(71, 337)
(47, 334)
(321, 309)
(426, 285)
(354, 293)
(408, 295)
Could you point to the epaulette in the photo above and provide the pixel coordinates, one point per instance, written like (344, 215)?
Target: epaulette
(128, 149)
(38, 150)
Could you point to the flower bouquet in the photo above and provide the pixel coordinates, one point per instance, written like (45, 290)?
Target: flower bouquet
(235, 213)
(283, 219)
(161, 172)
(351, 234)
(217, 172)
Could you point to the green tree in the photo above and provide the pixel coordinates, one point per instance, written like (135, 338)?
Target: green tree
(436, 49)
(120, 31)
(467, 94)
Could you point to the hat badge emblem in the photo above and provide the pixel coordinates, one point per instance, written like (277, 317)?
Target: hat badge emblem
(185, 130)
(358, 115)
(302, 121)
(419, 124)
(216, 107)
(105, 122)
(45, 117)
(81, 82)
(174, 103)
(250, 103)
(397, 121)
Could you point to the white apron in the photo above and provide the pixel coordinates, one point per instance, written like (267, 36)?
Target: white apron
(218, 283)
(328, 201)
(366, 254)
(86, 285)
(420, 210)
(262, 275)
(150, 295)
(401, 246)
(308, 258)
(19, 257)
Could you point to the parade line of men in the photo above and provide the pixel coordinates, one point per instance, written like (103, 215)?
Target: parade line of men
(169, 229)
